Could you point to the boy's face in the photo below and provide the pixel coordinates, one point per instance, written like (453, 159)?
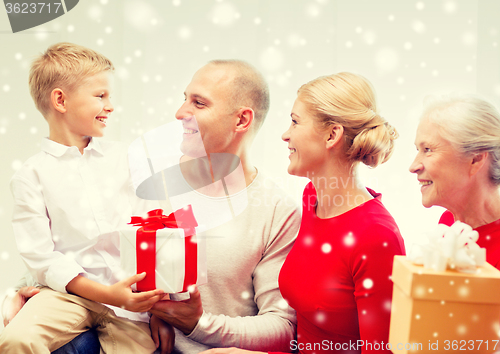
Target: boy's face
(88, 106)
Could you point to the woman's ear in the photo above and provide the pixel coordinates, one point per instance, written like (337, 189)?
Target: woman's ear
(336, 132)
(58, 100)
(478, 162)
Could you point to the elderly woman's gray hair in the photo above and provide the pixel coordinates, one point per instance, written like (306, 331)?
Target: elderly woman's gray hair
(471, 124)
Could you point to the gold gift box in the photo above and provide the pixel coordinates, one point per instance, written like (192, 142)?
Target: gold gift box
(444, 312)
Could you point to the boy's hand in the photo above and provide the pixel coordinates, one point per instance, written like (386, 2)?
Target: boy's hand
(120, 294)
(163, 334)
(181, 314)
(17, 302)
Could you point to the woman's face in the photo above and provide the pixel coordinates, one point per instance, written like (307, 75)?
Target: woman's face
(307, 143)
(443, 172)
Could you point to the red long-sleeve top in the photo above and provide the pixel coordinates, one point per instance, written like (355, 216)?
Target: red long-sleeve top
(337, 278)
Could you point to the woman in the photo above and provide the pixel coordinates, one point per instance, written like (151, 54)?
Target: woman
(458, 165)
(337, 275)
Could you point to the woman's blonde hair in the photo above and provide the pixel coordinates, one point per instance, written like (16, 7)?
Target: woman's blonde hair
(469, 123)
(63, 65)
(349, 100)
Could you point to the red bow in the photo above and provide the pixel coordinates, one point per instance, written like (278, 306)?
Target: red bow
(182, 219)
(146, 244)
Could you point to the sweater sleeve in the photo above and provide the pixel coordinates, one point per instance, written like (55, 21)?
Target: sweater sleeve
(372, 269)
(273, 328)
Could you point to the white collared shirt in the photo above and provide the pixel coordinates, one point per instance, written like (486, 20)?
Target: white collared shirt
(68, 208)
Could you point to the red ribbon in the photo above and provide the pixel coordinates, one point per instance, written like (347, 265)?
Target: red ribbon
(146, 244)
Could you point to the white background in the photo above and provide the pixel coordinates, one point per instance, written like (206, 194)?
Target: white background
(406, 48)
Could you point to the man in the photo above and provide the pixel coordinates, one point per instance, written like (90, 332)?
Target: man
(226, 104)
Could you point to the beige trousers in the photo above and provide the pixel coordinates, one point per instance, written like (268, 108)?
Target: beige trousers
(51, 319)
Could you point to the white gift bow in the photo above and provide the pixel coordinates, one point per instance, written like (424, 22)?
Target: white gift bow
(450, 246)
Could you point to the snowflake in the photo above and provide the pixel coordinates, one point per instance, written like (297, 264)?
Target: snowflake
(108, 29)
(224, 14)
(139, 14)
(387, 59)
(122, 73)
(16, 165)
(320, 317)
(312, 10)
(349, 239)
(184, 32)
(245, 295)
(418, 26)
(272, 59)
(464, 291)
(369, 37)
(5, 255)
(6, 88)
(450, 6)
(326, 248)
(294, 40)
(469, 38)
(95, 12)
(283, 304)
(367, 283)
(420, 5)
(87, 260)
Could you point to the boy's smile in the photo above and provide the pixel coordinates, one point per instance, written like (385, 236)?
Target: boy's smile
(89, 106)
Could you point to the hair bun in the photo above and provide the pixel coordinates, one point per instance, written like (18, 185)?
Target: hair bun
(374, 144)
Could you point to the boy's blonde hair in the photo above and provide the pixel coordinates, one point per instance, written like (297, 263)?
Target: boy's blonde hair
(63, 65)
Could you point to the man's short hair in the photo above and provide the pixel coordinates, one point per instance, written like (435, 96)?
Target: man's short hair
(248, 88)
(63, 65)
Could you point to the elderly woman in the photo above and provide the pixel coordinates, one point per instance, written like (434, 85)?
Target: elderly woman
(458, 165)
(337, 275)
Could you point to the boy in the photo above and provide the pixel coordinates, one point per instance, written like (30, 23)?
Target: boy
(69, 200)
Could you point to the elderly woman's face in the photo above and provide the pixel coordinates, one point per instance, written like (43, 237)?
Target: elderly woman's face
(442, 171)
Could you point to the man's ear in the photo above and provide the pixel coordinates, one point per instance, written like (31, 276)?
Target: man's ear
(245, 119)
(58, 100)
(478, 162)
(336, 132)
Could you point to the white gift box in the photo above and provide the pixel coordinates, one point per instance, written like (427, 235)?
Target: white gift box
(170, 260)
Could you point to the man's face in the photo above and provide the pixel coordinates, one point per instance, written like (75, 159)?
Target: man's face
(207, 116)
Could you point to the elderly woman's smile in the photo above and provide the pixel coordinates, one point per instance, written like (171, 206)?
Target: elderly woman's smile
(441, 171)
